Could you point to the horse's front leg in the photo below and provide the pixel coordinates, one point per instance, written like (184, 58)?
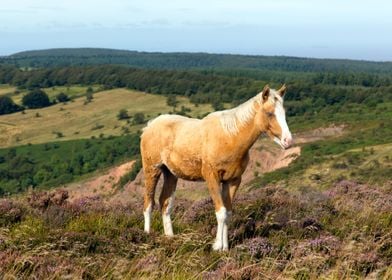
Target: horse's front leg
(214, 187)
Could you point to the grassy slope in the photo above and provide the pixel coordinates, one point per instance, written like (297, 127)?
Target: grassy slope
(307, 227)
(6, 89)
(76, 120)
(72, 91)
(314, 229)
(275, 234)
(362, 153)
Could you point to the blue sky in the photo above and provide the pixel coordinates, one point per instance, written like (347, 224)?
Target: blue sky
(328, 29)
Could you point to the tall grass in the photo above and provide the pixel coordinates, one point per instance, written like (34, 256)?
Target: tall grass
(344, 232)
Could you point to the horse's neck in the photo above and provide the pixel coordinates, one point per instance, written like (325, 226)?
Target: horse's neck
(246, 137)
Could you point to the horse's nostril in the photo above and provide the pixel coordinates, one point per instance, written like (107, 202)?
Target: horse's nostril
(288, 141)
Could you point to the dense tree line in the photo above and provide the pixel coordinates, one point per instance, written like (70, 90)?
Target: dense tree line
(91, 56)
(309, 92)
(154, 81)
(53, 164)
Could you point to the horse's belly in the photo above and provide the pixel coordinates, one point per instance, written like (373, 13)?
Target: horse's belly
(188, 168)
(234, 169)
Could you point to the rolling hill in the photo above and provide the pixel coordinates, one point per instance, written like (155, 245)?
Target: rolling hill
(76, 120)
(321, 210)
(300, 227)
(156, 60)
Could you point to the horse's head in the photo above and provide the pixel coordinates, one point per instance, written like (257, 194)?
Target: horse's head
(272, 116)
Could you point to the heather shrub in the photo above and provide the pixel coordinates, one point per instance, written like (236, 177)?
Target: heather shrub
(257, 247)
(57, 216)
(199, 211)
(11, 212)
(42, 200)
(340, 233)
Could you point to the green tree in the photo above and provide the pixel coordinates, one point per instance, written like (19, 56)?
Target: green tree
(41, 176)
(89, 97)
(172, 101)
(138, 118)
(217, 105)
(7, 105)
(123, 114)
(36, 98)
(62, 97)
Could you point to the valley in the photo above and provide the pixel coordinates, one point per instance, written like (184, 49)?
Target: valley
(71, 186)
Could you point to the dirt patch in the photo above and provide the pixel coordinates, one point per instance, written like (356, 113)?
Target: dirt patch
(103, 185)
(319, 134)
(267, 159)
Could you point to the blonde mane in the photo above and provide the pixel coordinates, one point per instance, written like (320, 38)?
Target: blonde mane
(233, 119)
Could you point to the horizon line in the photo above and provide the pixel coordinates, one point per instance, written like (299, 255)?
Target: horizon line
(197, 52)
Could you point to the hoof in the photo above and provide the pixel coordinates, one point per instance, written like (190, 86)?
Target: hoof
(218, 246)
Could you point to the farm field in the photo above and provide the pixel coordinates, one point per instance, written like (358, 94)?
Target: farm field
(75, 119)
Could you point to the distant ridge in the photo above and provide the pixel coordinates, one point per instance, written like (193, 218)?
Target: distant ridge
(183, 60)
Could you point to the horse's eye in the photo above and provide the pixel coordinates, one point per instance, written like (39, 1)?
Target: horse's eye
(270, 114)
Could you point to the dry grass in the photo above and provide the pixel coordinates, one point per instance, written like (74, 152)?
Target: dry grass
(76, 119)
(6, 89)
(342, 233)
(366, 164)
(72, 91)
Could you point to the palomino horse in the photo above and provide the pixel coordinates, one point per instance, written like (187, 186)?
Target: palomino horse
(214, 149)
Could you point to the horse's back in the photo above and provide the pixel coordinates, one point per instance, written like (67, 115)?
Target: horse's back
(174, 141)
(172, 124)
(166, 119)
(164, 130)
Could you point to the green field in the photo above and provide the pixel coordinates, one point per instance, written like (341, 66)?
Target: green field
(73, 91)
(75, 119)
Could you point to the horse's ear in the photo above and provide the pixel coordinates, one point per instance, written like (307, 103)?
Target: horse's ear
(265, 93)
(282, 90)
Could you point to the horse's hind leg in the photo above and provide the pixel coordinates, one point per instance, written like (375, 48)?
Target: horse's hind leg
(151, 177)
(166, 200)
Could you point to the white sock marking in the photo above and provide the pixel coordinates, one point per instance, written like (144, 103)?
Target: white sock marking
(221, 217)
(225, 235)
(147, 219)
(167, 223)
